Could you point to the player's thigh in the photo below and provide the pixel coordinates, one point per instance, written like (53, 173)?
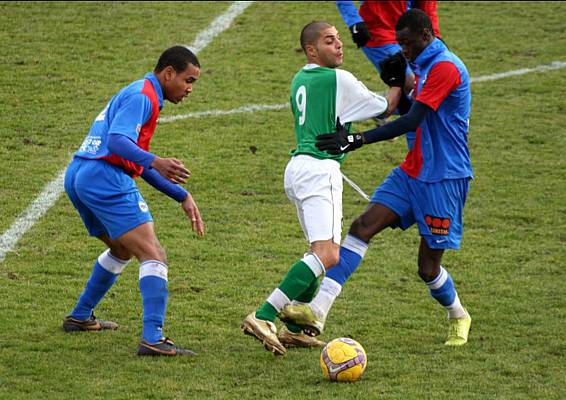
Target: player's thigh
(374, 219)
(112, 196)
(315, 187)
(439, 211)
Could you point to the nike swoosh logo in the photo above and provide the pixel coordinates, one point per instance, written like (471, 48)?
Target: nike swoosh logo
(342, 148)
(354, 29)
(440, 241)
(333, 370)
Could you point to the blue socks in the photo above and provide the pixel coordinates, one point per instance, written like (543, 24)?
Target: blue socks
(104, 273)
(442, 290)
(154, 293)
(351, 253)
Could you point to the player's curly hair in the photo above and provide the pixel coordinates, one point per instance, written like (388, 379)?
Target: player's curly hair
(414, 19)
(178, 57)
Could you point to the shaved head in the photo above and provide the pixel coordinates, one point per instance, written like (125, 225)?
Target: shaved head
(311, 32)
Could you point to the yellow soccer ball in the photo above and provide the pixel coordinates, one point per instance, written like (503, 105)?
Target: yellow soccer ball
(343, 360)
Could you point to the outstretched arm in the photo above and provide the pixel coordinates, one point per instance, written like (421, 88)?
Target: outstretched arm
(406, 123)
(343, 142)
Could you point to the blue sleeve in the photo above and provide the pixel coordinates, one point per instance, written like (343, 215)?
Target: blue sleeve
(176, 192)
(407, 123)
(124, 147)
(130, 116)
(348, 12)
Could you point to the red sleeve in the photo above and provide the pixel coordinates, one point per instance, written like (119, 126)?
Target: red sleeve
(442, 78)
(429, 7)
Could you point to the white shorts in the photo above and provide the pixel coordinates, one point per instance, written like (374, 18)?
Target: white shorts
(315, 187)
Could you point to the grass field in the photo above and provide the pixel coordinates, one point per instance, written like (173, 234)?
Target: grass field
(62, 61)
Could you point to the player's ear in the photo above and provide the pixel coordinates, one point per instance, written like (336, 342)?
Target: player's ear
(169, 73)
(427, 34)
(311, 50)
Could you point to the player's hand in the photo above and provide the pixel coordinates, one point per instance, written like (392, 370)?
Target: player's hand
(171, 169)
(190, 208)
(393, 70)
(339, 142)
(360, 34)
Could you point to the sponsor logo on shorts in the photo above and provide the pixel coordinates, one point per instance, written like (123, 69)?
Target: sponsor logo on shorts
(143, 206)
(438, 225)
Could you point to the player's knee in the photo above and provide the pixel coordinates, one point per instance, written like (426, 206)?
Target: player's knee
(161, 253)
(427, 271)
(152, 251)
(332, 258)
(120, 252)
(329, 254)
(360, 230)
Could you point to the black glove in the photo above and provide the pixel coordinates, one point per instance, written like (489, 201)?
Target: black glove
(360, 34)
(393, 70)
(339, 142)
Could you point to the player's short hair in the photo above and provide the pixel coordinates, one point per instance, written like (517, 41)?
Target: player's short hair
(311, 32)
(414, 19)
(178, 57)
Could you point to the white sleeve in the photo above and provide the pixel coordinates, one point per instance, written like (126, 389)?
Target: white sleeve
(354, 101)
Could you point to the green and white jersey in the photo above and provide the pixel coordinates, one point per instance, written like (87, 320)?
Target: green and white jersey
(318, 96)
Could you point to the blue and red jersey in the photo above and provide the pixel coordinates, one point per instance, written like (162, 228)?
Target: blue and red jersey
(440, 149)
(380, 17)
(132, 112)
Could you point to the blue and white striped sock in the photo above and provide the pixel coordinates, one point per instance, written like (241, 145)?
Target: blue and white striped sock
(442, 290)
(105, 272)
(352, 252)
(154, 293)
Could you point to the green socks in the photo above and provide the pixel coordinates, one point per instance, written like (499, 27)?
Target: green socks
(300, 284)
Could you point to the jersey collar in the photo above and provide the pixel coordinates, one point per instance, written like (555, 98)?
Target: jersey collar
(427, 55)
(150, 76)
(311, 66)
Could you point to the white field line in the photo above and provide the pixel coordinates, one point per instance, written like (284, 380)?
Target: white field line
(262, 107)
(53, 190)
(220, 24)
(240, 110)
(541, 68)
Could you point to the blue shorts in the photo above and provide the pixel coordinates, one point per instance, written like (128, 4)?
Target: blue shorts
(380, 53)
(106, 198)
(437, 208)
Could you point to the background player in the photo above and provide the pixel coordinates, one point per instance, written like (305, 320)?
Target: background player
(100, 183)
(430, 187)
(373, 30)
(373, 25)
(320, 93)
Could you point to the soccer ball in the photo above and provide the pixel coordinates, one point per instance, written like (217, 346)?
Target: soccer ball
(343, 360)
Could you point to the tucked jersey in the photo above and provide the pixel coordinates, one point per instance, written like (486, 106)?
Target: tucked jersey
(318, 96)
(440, 149)
(380, 17)
(132, 112)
